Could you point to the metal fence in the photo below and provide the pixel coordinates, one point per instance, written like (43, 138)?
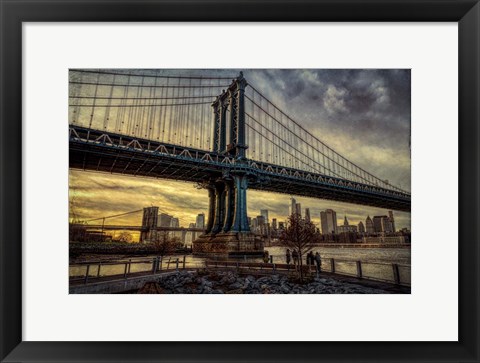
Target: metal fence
(90, 271)
(399, 274)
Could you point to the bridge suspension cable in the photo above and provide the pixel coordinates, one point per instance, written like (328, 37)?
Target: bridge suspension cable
(182, 221)
(151, 105)
(275, 137)
(113, 216)
(321, 169)
(165, 107)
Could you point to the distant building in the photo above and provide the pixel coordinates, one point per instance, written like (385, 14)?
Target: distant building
(346, 228)
(370, 229)
(298, 209)
(165, 220)
(260, 220)
(377, 223)
(274, 223)
(392, 220)
(200, 221)
(292, 208)
(175, 223)
(382, 224)
(361, 227)
(191, 236)
(328, 221)
(307, 215)
(261, 225)
(264, 213)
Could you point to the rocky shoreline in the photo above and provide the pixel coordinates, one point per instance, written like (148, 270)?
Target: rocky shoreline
(229, 282)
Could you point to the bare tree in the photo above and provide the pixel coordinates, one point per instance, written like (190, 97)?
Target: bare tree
(125, 237)
(299, 235)
(164, 244)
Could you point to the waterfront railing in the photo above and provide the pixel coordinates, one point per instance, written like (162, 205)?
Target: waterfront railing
(85, 272)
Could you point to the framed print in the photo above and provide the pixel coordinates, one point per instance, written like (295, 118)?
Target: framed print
(258, 181)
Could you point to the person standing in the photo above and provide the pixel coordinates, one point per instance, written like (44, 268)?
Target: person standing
(265, 257)
(318, 262)
(310, 260)
(288, 256)
(295, 257)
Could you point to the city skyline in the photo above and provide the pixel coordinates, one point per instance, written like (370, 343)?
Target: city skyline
(95, 198)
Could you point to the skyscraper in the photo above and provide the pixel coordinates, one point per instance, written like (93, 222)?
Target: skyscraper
(361, 227)
(298, 209)
(261, 225)
(382, 224)
(292, 207)
(264, 213)
(174, 222)
(328, 221)
(387, 225)
(261, 220)
(377, 223)
(307, 215)
(392, 220)
(200, 221)
(369, 226)
(274, 223)
(165, 220)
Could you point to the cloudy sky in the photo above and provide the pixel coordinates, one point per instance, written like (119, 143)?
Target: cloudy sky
(362, 114)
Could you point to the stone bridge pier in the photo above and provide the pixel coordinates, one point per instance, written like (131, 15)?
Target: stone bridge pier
(227, 229)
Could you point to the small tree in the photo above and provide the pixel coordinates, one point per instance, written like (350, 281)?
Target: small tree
(299, 235)
(164, 244)
(125, 237)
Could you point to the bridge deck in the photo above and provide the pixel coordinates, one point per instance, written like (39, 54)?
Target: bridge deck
(112, 153)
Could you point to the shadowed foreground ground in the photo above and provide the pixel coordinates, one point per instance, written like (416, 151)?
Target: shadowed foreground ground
(229, 282)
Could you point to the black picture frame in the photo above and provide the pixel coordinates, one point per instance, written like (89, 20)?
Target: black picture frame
(14, 13)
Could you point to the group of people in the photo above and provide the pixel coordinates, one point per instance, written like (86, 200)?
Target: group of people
(314, 260)
(266, 257)
(311, 259)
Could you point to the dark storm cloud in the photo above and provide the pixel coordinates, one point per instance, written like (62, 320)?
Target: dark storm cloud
(373, 104)
(360, 113)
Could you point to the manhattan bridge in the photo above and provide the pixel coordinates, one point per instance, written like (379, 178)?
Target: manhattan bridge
(220, 133)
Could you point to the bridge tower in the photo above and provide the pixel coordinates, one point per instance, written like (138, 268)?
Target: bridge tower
(227, 229)
(149, 224)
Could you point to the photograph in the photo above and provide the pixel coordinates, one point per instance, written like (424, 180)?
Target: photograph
(239, 181)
